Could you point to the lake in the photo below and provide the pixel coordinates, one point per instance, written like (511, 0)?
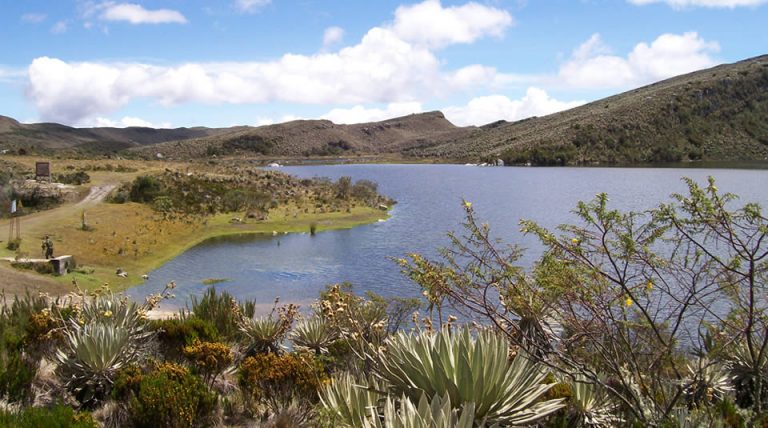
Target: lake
(295, 267)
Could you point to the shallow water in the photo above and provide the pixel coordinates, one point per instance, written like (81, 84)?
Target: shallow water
(296, 267)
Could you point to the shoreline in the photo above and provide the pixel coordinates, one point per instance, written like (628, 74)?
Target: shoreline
(325, 222)
(213, 228)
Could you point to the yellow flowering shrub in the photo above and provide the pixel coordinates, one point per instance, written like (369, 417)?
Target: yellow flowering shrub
(210, 358)
(269, 375)
(171, 396)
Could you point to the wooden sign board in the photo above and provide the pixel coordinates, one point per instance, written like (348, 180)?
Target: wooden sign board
(43, 170)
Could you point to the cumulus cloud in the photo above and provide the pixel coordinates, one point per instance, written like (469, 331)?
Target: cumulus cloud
(487, 109)
(33, 18)
(429, 23)
(679, 4)
(332, 35)
(137, 14)
(250, 6)
(125, 122)
(362, 114)
(391, 64)
(592, 66)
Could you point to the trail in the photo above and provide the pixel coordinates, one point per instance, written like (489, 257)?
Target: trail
(97, 194)
(15, 282)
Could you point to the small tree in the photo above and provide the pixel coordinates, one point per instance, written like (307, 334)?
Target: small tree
(628, 302)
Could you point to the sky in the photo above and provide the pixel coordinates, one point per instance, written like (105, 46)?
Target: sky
(220, 63)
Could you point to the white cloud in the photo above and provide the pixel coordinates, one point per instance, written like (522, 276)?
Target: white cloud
(332, 35)
(591, 65)
(125, 122)
(263, 121)
(33, 18)
(12, 75)
(380, 69)
(60, 27)
(679, 4)
(361, 114)
(430, 24)
(487, 109)
(250, 6)
(394, 63)
(137, 14)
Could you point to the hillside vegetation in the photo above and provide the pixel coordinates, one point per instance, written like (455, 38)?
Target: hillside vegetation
(718, 114)
(41, 138)
(714, 114)
(313, 138)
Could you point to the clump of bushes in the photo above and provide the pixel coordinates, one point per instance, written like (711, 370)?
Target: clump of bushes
(210, 359)
(61, 416)
(169, 396)
(176, 333)
(252, 191)
(222, 311)
(77, 178)
(280, 378)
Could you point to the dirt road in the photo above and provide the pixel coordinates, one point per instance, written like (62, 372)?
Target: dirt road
(97, 194)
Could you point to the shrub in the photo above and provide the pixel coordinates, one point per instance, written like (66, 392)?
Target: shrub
(13, 244)
(171, 396)
(145, 189)
(217, 308)
(120, 196)
(175, 333)
(210, 358)
(127, 381)
(76, 178)
(59, 416)
(23, 325)
(16, 376)
(281, 377)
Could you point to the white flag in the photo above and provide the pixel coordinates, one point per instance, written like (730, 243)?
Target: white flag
(13, 206)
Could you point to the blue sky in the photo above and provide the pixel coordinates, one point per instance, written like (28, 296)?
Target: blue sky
(171, 63)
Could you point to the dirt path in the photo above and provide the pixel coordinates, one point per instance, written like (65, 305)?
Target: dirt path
(97, 194)
(16, 282)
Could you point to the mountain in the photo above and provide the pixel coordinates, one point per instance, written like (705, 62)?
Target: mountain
(716, 114)
(53, 136)
(306, 138)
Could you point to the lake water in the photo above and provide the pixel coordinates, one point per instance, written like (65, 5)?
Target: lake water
(296, 267)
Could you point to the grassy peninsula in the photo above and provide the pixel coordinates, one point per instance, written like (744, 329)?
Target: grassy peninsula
(136, 216)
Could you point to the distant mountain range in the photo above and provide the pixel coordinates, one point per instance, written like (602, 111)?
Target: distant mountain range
(715, 114)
